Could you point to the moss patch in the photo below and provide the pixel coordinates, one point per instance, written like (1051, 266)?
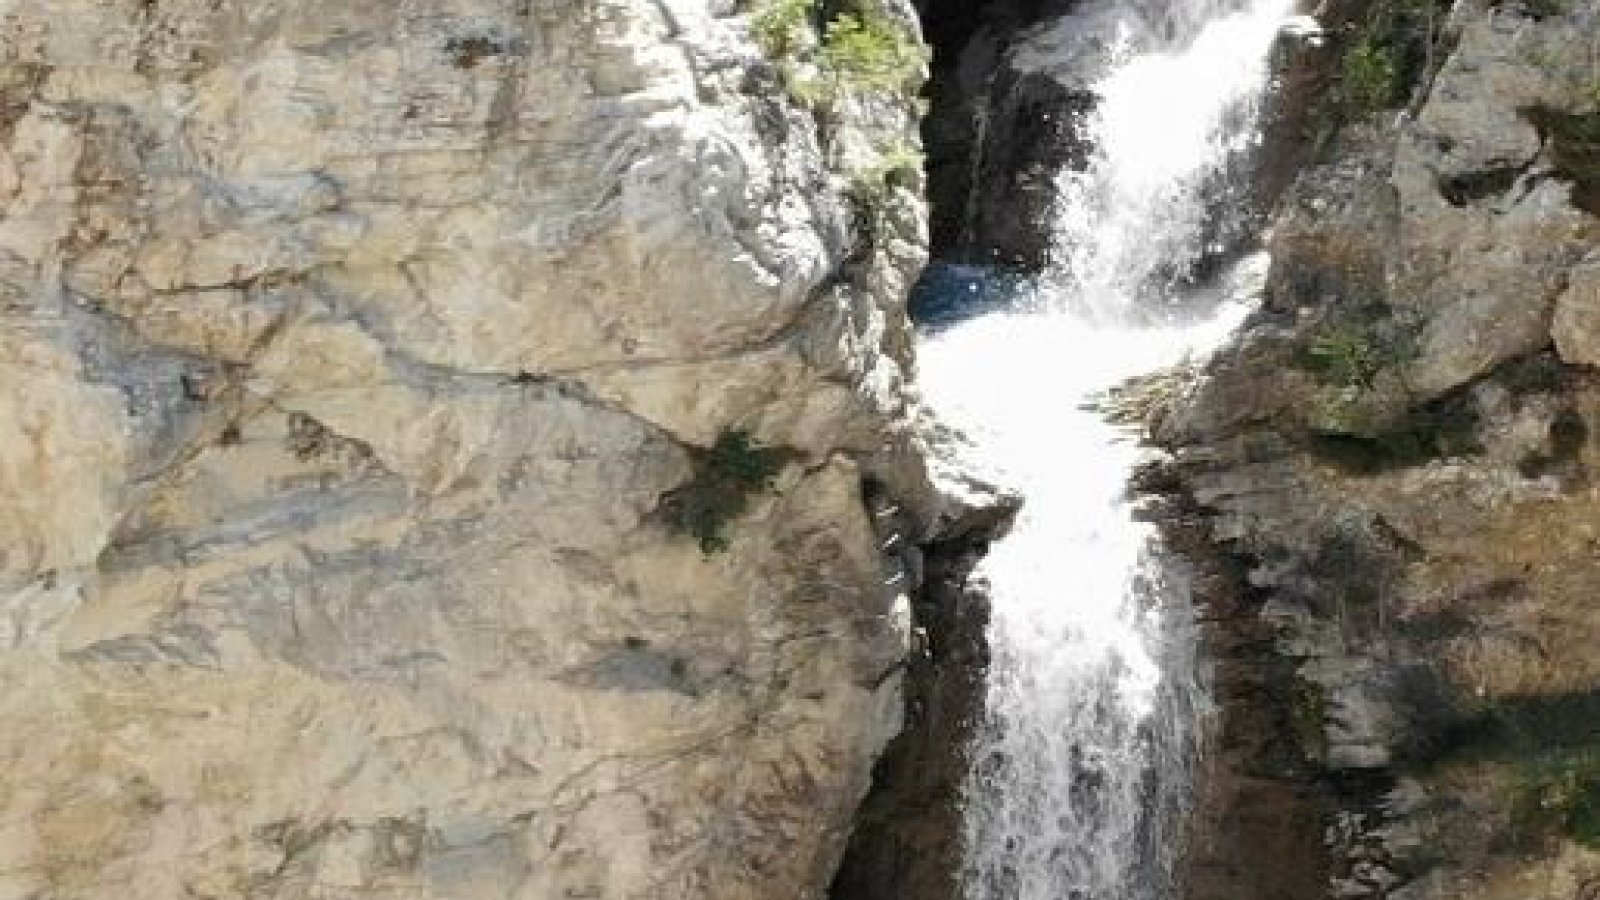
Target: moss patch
(1442, 429)
(1308, 717)
(1574, 143)
(1559, 795)
(726, 476)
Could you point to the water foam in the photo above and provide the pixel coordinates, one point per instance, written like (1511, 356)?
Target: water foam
(1080, 768)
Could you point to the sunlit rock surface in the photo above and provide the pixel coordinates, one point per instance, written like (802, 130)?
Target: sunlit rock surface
(1486, 234)
(1396, 464)
(348, 352)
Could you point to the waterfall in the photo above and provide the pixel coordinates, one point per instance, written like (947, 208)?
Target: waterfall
(1082, 764)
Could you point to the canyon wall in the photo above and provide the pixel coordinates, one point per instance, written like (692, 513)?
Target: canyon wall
(447, 450)
(1389, 480)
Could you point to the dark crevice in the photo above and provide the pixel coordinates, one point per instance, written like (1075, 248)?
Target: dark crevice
(989, 131)
(1471, 187)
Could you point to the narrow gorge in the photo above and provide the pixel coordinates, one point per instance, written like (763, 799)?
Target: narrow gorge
(799, 449)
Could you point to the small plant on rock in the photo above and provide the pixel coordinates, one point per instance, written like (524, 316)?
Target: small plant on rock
(871, 190)
(1561, 796)
(1395, 47)
(1344, 356)
(1369, 77)
(1308, 720)
(862, 47)
(869, 51)
(780, 26)
(726, 476)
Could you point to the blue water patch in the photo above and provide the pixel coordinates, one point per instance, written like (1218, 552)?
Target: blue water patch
(948, 293)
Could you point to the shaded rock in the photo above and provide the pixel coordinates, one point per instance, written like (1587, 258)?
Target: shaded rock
(994, 135)
(908, 834)
(1033, 129)
(1258, 827)
(1335, 226)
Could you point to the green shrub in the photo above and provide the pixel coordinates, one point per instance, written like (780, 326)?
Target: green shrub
(1394, 46)
(1344, 356)
(870, 51)
(1369, 76)
(1560, 796)
(726, 476)
(862, 48)
(780, 27)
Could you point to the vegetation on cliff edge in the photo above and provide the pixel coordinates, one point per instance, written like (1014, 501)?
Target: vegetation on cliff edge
(726, 476)
(1384, 54)
(825, 51)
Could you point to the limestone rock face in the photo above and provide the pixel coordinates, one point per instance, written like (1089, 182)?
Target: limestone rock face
(1486, 233)
(349, 351)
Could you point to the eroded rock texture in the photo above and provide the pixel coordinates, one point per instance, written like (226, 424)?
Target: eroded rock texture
(349, 350)
(1395, 465)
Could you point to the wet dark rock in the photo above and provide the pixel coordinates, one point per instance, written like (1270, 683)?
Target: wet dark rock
(907, 838)
(1258, 820)
(994, 138)
(1033, 131)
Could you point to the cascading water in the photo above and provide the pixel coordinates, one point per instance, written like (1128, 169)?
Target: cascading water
(1081, 767)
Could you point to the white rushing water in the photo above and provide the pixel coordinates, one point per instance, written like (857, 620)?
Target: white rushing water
(1082, 765)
